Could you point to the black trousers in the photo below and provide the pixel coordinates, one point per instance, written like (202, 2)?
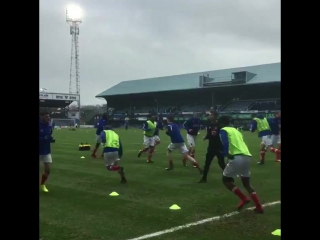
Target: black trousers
(211, 153)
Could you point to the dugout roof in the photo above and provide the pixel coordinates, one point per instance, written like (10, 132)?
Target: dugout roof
(56, 100)
(53, 103)
(266, 73)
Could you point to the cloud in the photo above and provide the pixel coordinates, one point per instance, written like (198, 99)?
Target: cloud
(123, 40)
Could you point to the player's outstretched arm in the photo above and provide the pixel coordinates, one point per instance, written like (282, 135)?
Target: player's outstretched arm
(225, 142)
(52, 139)
(253, 126)
(120, 149)
(169, 129)
(103, 137)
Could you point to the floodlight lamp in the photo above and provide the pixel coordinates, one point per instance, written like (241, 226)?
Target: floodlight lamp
(74, 12)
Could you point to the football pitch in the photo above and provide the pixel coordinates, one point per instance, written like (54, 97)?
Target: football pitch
(78, 205)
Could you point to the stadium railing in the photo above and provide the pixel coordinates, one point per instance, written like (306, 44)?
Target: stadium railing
(238, 106)
(265, 105)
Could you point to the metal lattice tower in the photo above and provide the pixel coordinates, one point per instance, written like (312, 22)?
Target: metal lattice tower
(74, 84)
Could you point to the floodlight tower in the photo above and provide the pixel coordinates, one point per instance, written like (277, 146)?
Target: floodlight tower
(73, 18)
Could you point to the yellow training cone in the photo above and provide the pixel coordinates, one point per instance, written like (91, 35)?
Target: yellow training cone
(114, 194)
(82, 157)
(277, 232)
(175, 207)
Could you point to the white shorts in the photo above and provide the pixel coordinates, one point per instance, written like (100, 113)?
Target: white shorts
(45, 158)
(182, 146)
(98, 138)
(110, 158)
(148, 141)
(156, 138)
(240, 165)
(191, 140)
(275, 139)
(266, 140)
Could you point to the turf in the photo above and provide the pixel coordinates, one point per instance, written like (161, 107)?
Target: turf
(79, 207)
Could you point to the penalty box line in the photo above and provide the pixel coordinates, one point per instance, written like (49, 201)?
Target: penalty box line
(212, 219)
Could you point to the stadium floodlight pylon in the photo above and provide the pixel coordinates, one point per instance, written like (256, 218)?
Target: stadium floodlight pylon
(74, 19)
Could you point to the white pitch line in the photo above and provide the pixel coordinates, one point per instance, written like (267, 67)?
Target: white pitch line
(216, 218)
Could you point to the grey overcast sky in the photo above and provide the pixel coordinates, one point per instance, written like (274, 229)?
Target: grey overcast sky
(134, 39)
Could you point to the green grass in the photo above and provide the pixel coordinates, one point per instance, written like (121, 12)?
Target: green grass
(79, 207)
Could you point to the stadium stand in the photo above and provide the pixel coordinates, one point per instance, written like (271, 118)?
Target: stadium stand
(246, 105)
(237, 91)
(268, 104)
(91, 113)
(237, 106)
(59, 105)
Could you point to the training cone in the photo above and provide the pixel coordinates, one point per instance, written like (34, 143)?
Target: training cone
(277, 232)
(113, 194)
(82, 157)
(175, 207)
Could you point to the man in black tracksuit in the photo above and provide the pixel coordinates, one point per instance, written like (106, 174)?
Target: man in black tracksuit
(214, 147)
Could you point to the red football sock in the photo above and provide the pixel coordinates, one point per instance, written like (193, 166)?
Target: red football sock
(238, 192)
(255, 199)
(44, 178)
(277, 152)
(262, 155)
(113, 168)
